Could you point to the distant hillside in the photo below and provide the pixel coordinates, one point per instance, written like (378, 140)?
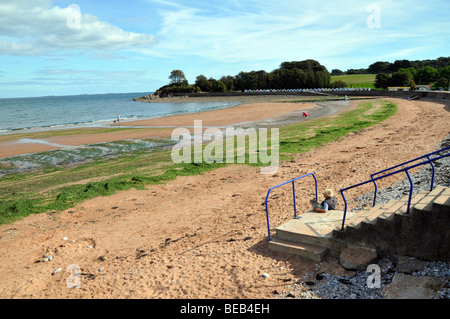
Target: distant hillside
(356, 80)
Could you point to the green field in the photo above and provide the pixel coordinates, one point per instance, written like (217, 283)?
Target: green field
(357, 80)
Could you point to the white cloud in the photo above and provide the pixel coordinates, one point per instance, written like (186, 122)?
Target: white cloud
(254, 31)
(30, 29)
(260, 30)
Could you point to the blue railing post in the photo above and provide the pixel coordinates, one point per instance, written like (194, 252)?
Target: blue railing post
(410, 190)
(315, 182)
(432, 174)
(345, 209)
(376, 190)
(293, 194)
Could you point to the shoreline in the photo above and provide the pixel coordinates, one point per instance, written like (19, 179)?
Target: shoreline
(251, 114)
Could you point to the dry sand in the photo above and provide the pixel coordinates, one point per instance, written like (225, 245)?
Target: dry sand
(201, 236)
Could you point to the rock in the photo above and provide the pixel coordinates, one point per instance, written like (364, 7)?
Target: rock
(411, 287)
(265, 275)
(410, 265)
(357, 258)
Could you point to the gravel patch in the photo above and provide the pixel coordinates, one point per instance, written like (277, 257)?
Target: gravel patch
(421, 181)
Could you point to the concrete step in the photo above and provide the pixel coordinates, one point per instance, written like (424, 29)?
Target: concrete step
(442, 201)
(394, 206)
(311, 228)
(426, 202)
(366, 214)
(309, 251)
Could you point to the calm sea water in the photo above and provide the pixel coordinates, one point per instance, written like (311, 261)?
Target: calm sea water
(54, 112)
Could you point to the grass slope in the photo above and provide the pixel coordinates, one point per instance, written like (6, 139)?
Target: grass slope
(357, 80)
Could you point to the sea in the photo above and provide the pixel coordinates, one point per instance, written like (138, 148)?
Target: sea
(56, 112)
(34, 114)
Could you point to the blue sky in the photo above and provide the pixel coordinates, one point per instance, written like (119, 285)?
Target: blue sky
(58, 47)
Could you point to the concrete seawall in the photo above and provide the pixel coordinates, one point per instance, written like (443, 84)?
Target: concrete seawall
(445, 95)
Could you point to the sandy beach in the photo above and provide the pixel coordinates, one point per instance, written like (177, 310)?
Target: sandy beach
(246, 114)
(202, 236)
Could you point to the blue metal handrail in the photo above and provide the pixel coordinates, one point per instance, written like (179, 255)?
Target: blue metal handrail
(293, 194)
(427, 156)
(405, 169)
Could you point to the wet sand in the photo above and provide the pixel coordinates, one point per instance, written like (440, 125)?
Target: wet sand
(246, 115)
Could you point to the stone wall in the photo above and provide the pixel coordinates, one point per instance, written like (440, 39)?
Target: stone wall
(397, 94)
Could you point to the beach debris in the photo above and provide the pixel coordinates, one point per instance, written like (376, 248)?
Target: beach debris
(88, 275)
(56, 271)
(265, 275)
(64, 238)
(140, 253)
(276, 292)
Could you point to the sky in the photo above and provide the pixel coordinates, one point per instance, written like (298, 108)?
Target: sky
(58, 47)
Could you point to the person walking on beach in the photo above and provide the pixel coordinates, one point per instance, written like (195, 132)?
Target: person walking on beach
(328, 204)
(305, 115)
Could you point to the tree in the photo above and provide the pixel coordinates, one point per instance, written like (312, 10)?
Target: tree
(338, 84)
(219, 86)
(177, 77)
(400, 64)
(445, 72)
(228, 81)
(442, 83)
(379, 67)
(203, 83)
(382, 80)
(401, 79)
(317, 75)
(426, 75)
(337, 72)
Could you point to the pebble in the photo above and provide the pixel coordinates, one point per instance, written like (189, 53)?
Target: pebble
(56, 271)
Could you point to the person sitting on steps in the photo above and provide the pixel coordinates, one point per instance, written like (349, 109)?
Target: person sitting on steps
(328, 204)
